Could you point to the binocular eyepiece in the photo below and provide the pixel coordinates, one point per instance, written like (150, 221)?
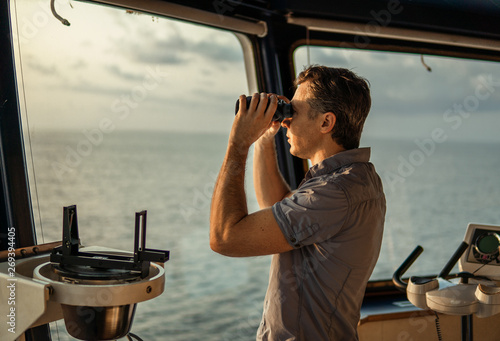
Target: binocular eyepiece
(284, 109)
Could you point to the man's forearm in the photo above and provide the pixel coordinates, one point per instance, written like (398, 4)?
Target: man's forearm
(234, 232)
(229, 204)
(270, 187)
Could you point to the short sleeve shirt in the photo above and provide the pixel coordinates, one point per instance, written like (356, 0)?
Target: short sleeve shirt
(334, 221)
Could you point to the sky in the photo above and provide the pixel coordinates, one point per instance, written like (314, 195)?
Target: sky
(139, 71)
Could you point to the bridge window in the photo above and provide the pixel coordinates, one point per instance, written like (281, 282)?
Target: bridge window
(122, 112)
(433, 129)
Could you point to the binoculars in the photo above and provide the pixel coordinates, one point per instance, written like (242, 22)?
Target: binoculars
(284, 109)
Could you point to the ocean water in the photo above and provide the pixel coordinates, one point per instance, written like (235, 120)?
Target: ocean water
(171, 175)
(432, 194)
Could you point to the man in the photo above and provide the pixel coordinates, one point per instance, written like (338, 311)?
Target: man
(326, 235)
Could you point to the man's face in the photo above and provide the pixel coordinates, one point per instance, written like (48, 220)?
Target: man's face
(302, 132)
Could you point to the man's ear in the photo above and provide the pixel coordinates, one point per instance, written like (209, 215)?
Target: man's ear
(328, 122)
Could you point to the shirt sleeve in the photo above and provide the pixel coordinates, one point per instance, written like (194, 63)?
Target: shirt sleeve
(314, 213)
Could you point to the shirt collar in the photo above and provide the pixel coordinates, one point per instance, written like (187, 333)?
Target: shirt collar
(332, 163)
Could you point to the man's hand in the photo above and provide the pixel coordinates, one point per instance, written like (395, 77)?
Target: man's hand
(273, 128)
(255, 121)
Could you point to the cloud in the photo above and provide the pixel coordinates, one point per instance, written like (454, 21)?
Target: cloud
(174, 43)
(156, 50)
(178, 50)
(219, 52)
(43, 68)
(321, 56)
(118, 72)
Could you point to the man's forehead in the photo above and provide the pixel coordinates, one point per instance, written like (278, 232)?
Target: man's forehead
(302, 93)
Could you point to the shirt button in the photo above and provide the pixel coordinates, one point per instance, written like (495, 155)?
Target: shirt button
(293, 240)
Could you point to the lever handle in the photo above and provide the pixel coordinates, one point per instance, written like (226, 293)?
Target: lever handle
(396, 278)
(453, 260)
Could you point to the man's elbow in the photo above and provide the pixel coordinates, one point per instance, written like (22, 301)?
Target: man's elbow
(221, 248)
(219, 244)
(216, 245)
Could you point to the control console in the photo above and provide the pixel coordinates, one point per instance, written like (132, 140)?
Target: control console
(473, 290)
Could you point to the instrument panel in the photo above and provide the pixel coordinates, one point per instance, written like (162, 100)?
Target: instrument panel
(482, 257)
